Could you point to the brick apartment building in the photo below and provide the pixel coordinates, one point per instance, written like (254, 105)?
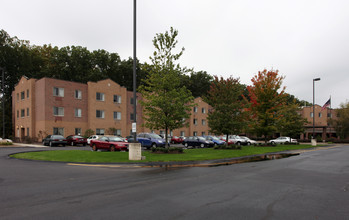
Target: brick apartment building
(51, 106)
(321, 127)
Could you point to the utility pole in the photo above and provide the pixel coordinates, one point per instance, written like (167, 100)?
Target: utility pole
(134, 125)
(3, 102)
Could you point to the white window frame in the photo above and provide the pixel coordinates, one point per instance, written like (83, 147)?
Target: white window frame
(195, 121)
(118, 115)
(58, 111)
(100, 96)
(195, 109)
(58, 131)
(78, 94)
(100, 131)
(118, 99)
(203, 122)
(101, 113)
(59, 92)
(203, 110)
(78, 112)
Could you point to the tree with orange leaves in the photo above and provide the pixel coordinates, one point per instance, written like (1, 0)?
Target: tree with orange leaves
(266, 102)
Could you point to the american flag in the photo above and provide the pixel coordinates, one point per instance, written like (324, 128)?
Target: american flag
(328, 103)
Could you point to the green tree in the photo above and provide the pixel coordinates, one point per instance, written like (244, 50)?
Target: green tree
(225, 97)
(291, 122)
(165, 103)
(198, 83)
(341, 122)
(266, 102)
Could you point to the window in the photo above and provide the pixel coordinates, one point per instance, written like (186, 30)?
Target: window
(28, 93)
(132, 101)
(77, 131)
(58, 92)
(203, 110)
(320, 114)
(17, 114)
(78, 94)
(22, 113)
(195, 121)
(329, 115)
(117, 115)
(78, 112)
(182, 133)
(58, 131)
(195, 109)
(99, 114)
(28, 132)
(203, 133)
(132, 117)
(118, 132)
(17, 97)
(58, 111)
(28, 112)
(99, 96)
(203, 121)
(195, 133)
(311, 114)
(117, 99)
(99, 131)
(22, 95)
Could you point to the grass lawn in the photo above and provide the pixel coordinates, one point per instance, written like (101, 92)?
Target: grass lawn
(81, 156)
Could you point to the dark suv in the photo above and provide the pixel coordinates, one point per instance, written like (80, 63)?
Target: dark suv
(52, 140)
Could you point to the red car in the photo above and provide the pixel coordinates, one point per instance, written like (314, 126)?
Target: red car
(76, 139)
(111, 143)
(176, 140)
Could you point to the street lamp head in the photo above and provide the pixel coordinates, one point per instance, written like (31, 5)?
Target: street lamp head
(316, 79)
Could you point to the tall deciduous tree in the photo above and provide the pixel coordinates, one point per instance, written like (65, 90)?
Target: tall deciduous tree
(266, 102)
(225, 97)
(291, 122)
(165, 103)
(341, 123)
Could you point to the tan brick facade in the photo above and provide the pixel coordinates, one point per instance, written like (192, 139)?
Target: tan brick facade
(70, 108)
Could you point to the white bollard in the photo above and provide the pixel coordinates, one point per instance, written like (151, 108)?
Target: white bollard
(313, 142)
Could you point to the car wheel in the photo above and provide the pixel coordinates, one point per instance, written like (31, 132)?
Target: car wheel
(50, 144)
(186, 145)
(63, 145)
(215, 145)
(112, 148)
(248, 143)
(94, 147)
(287, 142)
(153, 145)
(272, 143)
(43, 143)
(72, 143)
(202, 145)
(238, 143)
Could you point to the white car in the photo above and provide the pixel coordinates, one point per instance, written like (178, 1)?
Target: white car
(249, 141)
(282, 140)
(92, 137)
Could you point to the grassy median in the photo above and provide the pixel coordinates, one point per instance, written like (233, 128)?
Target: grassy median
(82, 156)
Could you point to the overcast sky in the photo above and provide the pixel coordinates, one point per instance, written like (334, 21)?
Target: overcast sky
(303, 39)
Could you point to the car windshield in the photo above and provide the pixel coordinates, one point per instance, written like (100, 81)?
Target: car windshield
(201, 138)
(57, 137)
(155, 136)
(78, 136)
(215, 138)
(115, 139)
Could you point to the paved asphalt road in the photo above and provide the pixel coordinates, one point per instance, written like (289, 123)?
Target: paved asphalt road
(314, 185)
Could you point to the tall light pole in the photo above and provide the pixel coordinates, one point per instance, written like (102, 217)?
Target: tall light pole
(3, 101)
(134, 73)
(316, 79)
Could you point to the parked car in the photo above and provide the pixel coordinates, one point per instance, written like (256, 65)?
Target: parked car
(149, 140)
(111, 143)
(197, 141)
(92, 137)
(282, 140)
(176, 140)
(6, 140)
(52, 140)
(234, 139)
(215, 140)
(74, 140)
(249, 141)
